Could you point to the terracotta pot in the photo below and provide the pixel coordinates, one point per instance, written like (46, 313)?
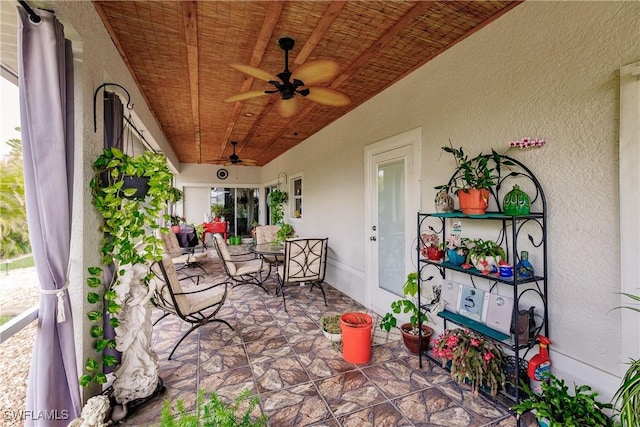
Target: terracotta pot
(411, 341)
(474, 201)
(175, 228)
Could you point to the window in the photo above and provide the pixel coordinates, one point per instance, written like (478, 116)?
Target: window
(240, 207)
(296, 198)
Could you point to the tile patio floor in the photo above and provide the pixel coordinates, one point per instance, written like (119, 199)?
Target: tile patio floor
(299, 376)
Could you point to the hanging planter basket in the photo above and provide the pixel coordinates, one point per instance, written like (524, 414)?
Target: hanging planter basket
(138, 183)
(133, 187)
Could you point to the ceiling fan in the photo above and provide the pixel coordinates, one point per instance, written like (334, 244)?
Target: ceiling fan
(294, 85)
(234, 159)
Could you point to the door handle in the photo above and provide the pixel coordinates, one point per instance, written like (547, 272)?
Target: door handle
(372, 238)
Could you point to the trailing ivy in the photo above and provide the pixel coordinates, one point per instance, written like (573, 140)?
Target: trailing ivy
(129, 227)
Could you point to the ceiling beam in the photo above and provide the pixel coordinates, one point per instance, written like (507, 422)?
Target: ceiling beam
(266, 32)
(329, 15)
(190, 21)
(318, 33)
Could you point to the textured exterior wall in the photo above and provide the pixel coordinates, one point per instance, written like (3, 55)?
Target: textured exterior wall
(546, 69)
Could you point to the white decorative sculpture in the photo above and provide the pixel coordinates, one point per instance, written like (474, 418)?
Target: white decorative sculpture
(94, 413)
(137, 375)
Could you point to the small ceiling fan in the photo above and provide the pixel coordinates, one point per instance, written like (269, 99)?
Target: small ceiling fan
(234, 159)
(294, 85)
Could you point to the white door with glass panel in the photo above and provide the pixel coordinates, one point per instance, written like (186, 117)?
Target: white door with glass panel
(392, 202)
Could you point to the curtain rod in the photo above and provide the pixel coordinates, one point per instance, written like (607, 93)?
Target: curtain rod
(33, 16)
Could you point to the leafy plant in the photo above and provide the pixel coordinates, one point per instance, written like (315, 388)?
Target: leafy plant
(481, 171)
(474, 359)
(285, 232)
(479, 249)
(331, 324)
(176, 219)
(214, 413)
(627, 397)
(217, 210)
(129, 226)
(563, 409)
(406, 305)
(277, 200)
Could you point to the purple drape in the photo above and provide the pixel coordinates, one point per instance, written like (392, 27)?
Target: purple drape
(46, 108)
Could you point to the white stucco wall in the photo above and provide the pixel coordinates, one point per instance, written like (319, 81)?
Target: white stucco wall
(545, 69)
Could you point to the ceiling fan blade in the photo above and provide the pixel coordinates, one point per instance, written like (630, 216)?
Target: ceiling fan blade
(315, 72)
(327, 96)
(245, 95)
(287, 107)
(248, 162)
(256, 72)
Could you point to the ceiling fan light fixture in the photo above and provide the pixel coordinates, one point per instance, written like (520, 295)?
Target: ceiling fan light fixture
(300, 82)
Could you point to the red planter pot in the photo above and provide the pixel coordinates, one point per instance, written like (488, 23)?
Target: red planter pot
(434, 253)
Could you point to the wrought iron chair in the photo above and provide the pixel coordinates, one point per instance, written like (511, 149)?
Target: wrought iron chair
(267, 234)
(247, 271)
(184, 257)
(198, 306)
(305, 261)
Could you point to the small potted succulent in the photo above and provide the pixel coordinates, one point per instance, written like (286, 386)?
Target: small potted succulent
(556, 407)
(410, 331)
(175, 221)
(331, 327)
(484, 255)
(472, 359)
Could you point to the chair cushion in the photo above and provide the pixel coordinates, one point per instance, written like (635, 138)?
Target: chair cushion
(201, 300)
(250, 267)
(266, 233)
(223, 251)
(183, 305)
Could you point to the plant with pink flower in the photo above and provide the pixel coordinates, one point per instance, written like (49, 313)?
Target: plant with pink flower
(473, 359)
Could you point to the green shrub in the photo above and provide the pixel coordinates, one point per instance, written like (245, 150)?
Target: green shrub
(214, 412)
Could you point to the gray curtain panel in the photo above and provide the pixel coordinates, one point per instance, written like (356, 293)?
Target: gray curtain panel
(46, 108)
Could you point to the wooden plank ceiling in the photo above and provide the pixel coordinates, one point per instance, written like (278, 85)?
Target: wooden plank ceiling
(179, 54)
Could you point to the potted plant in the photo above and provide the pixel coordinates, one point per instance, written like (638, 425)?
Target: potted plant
(556, 407)
(485, 255)
(627, 397)
(277, 200)
(217, 210)
(456, 249)
(175, 221)
(130, 244)
(430, 247)
(473, 359)
(410, 332)
(285, 232)
(330, 326)
(474, 178)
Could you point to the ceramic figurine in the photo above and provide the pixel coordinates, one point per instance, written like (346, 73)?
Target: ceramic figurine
(524, 267)
(444, 202)
(516, 202)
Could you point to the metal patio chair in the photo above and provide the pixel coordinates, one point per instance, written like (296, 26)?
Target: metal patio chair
(305, 261)
(198, 306)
